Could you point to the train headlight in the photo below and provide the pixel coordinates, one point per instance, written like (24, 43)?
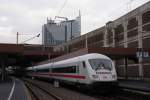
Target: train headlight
(114, 76)
(95, 76)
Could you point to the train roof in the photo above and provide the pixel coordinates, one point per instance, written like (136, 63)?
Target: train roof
(74, 59)
(84, 57)
(94, 55)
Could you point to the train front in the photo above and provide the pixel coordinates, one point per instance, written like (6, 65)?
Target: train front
(103, 74)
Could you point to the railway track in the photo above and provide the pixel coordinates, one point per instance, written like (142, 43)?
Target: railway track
(115, 97)
(38, 92)
(72, 93)
(122, 95)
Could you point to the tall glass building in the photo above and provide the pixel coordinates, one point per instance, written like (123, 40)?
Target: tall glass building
(54, 33)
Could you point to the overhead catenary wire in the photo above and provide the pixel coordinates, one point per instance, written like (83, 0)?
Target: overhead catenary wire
(61, 8)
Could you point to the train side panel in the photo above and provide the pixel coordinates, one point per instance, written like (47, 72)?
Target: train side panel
(78, 70)
(69, 73)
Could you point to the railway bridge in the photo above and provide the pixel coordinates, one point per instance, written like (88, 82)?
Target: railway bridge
(23, 55)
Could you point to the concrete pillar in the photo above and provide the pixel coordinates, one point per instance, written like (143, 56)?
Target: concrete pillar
(113, 31)
(105, 37)
(86, 41)
(125, 33)
(111, 26)
(140, 33)
(140, 36)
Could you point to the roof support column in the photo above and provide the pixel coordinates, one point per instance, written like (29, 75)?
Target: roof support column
(3, 70)
(141, 67)
(126, 68)
(3, 66)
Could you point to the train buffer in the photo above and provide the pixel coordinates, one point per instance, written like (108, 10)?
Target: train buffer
(13, 89)
(138, 85)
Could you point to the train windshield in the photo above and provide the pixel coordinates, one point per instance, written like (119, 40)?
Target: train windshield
(97, 64)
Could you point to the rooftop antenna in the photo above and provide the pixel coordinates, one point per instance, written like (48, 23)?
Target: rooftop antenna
(47, 19)
(79, 13)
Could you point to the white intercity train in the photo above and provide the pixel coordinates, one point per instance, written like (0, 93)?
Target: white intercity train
(91, 70)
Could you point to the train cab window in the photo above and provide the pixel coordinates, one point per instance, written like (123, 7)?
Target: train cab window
(98, 64)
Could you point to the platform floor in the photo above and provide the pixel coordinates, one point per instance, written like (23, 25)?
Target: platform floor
(135, 84)
(12, 89)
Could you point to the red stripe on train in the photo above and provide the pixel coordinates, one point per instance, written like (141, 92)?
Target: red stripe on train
(60, 75)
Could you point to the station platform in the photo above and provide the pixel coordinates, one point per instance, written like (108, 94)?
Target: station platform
(13, 89)
(135, 85)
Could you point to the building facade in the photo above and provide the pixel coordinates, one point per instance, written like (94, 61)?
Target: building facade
(54, 33)
(129, 31)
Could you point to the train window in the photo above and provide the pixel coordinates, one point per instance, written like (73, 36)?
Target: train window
(69, 69)
(84, 65)
(42, 70)
(29, 71)
(97, 64)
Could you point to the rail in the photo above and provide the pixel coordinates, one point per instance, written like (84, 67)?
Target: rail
(33, 88)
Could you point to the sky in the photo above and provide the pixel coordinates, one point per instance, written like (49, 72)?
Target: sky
(28, 16)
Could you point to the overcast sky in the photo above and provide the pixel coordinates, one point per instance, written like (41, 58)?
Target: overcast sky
(28, 16)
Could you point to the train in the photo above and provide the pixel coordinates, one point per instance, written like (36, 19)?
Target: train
(91, 70)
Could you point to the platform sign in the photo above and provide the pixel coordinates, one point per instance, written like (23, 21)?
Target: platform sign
(142, 54)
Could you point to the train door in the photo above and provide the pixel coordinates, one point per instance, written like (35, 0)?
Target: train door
(77, 71)
(81, 69)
